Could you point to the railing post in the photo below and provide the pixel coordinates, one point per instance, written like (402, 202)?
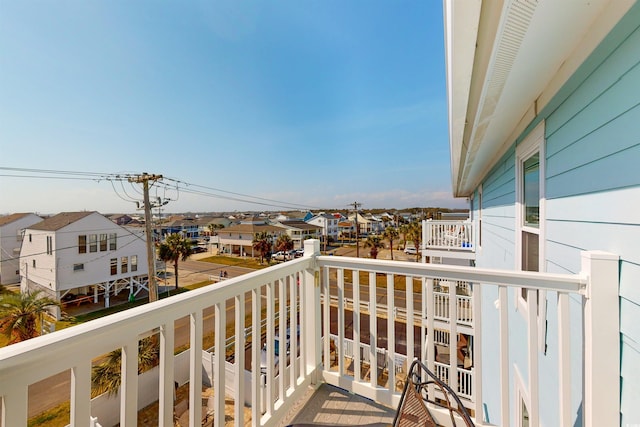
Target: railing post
(601, 339)
(311, 328)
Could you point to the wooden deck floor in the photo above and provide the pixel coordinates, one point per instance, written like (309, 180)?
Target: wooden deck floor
(332, 405)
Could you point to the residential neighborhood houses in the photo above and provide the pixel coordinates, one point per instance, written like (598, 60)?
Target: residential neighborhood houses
(78, 257)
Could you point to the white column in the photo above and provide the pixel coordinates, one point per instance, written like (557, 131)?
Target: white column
(310, 330)
(601, 339)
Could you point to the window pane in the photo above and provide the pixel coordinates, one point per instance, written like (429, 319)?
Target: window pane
(124, 264)
(530, 251)
(112, 241)
(134, 262)
(532, 191)
(82, 244)
(93, 243)
(103, 242)
(114, 266)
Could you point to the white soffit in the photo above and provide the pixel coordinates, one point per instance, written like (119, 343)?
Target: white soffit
(534, 40)
(461, 31)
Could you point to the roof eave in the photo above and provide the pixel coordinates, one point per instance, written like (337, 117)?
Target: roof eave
(463, 19)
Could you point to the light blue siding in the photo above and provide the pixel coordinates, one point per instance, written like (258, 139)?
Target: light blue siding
(593, 151)
(592, 180)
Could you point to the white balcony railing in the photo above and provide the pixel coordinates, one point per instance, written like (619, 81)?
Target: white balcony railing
(449, 235)
(288, 297)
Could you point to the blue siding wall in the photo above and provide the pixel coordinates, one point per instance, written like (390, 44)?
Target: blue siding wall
(593, 183)
(592, 175)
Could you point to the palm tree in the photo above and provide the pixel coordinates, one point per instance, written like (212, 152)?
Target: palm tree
(284, 243)
(414, 233)
(174, 248)
(375, 243)
(105, 377)
(262, 243)
(391, 234)
(22, 313)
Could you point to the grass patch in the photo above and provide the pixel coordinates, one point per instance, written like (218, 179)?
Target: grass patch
(199, 285)
(54, 417)
(247, 262)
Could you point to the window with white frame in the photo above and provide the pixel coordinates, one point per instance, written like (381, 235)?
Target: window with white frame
(82, 244)
(124, 264)
(78, 267)
(103, 242)
(49, 245)
(134, 263)
(93, 243)
(113, 263)
(530, 209)
(113, 238)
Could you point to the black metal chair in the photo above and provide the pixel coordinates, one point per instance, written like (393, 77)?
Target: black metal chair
(413, 409)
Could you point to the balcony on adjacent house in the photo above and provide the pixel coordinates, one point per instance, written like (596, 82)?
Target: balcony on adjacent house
(257, 344)
(448, 239)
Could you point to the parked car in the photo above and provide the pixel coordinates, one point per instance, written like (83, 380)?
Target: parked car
(410, 250)
(198, 249)
(279, 256)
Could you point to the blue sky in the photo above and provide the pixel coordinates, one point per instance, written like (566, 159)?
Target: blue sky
(308, 103)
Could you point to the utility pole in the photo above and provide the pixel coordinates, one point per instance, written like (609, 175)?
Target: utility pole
(356, 205)
(144, 180)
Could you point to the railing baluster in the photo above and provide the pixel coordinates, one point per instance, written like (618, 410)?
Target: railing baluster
(410, 321)
(564, 359)
(355, 280)
(195, 365)
(391, 334)
(220, 312)
(238, 395)
(373, 326)
(453, 337)
(327, 319)
(341, 314)
(534, 382)
(129, 384)
(270, 371)
(504, 355)
(167, 377)
(256, 395)
(295, 336)
(283, 341)
(81, 393)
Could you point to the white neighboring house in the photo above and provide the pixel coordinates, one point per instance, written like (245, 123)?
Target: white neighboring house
(299, 231)
(329, 224)
(83, 253)
(11, 231)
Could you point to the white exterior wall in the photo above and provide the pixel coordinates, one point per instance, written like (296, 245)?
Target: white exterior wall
(10, 242)
(56, 271)
(329, 226)
(35, 264)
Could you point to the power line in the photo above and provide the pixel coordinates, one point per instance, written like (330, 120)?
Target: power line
(179, 186)
(243, 195)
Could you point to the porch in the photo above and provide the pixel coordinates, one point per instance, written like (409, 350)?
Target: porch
(289, 297)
